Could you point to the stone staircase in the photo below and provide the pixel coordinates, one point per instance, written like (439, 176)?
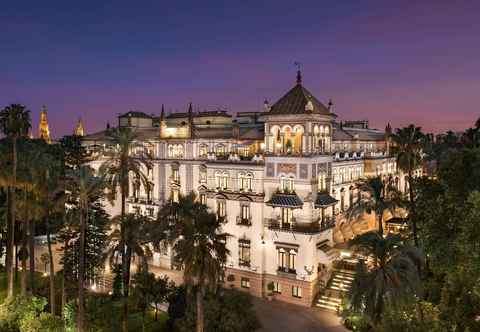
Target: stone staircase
(339, 284)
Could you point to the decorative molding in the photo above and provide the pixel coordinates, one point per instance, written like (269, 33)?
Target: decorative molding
(286, 168)
(303, 171)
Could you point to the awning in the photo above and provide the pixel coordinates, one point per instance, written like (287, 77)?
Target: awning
(324, 200)
(397, 221)
(285, 200)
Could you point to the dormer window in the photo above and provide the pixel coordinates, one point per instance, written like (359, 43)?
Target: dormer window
(309, 106)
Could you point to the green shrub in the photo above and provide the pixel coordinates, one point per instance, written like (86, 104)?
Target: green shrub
(26, 314)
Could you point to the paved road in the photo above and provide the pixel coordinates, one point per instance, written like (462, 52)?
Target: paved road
(277, 316)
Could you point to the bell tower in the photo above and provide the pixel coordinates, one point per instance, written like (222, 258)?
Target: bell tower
(43, 129)
(79, 129)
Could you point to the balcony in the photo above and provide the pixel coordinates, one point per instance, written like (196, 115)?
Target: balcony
(244, 263)
(287, 272)
(244, 221)
(143, 201)
(301, 228)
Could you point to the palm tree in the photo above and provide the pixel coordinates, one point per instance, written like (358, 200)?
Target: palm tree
(391, 278)
(408, 146)
(52, 188)
(14, 123)
(120, 163)
(198, 244)
(84, 185)
(378, 197)
(139, 233)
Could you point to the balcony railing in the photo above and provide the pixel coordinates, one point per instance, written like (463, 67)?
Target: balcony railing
(244, 221)
(143, 201)
(299, 227)
(243, 263)
(287, 272)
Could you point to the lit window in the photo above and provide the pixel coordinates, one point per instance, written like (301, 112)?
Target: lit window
(175, 151)
(287, 184)
(286, 260)
(221, 208)
(245, 212)
(322, 181)
(245, 282)
(277, 287)
(287, 215)
(220, 150)
(221, 180)
(203, 150)
(175, 175)
(203, 199)
(244, 253)
(175, 197)
(245, 182)
(296, 291)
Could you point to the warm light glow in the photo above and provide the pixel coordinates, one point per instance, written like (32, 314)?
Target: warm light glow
(345, 254)
(170, 131)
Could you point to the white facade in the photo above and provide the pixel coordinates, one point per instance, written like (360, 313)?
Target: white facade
(280, 184)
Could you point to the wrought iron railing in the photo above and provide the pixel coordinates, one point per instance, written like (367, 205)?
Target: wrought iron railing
(299, 227)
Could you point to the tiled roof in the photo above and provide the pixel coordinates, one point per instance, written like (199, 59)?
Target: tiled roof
(366, 134)
(136, 114)
(295, 102)
(141, 133)
(341, 135)
(285, 200)
(255, 133)
(177, 115)
(221, 132)
(324, 200)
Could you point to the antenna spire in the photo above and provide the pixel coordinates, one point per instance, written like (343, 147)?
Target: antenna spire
(299, 72)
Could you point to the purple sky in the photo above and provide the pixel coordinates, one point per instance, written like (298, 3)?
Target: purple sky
(397, 61)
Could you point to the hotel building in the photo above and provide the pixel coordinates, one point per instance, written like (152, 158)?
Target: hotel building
(282, 178)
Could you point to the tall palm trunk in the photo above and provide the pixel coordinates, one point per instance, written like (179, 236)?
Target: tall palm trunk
(412, 207)
(64, 274)
(23, 280)
(380, 223)
(199, 302)
(11, 224)
(81, 269)
(31, 254)
(50, 257)
(125, 273)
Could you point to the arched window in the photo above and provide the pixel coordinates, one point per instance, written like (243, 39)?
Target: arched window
(220, 150)
(245, 182)
(221, 180)
(175, 151)
(203, 150)
(287, 184)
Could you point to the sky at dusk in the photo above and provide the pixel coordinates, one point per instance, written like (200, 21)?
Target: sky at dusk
(397, 61)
